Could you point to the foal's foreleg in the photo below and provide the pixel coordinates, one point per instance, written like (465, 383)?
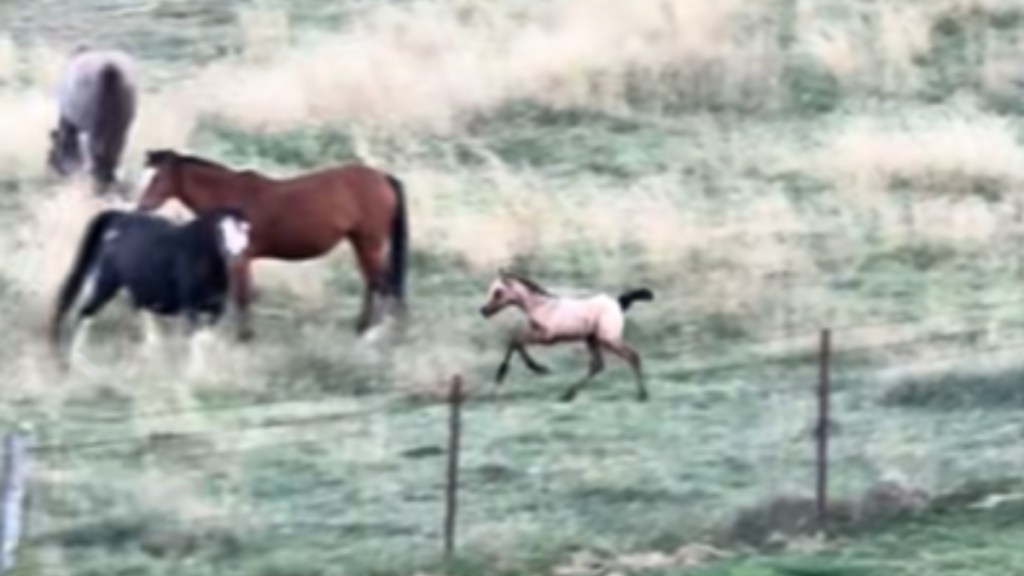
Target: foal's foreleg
(596, 366)
(518, 345)
(633, 359)
(533, 365)
(503, 367)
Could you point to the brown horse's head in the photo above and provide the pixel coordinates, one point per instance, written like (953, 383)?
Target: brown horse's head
(159, 181)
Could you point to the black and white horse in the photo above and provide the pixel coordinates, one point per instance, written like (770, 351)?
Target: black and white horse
(167, 269)
(96, 99)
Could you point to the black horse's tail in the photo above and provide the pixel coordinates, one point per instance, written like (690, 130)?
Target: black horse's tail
(399, 250)
(627, 298)
(88, 250)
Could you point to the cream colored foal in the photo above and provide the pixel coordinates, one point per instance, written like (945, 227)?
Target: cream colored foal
(596, 320)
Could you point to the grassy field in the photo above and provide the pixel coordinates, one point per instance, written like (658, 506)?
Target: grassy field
(769, 168)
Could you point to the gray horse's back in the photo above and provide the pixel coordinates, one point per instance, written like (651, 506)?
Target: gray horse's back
(98, 87)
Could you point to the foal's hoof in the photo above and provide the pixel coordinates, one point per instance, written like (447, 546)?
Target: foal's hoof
(502, 371)
(541, 370)
(642, 397)
(569, 396)
(246, 335)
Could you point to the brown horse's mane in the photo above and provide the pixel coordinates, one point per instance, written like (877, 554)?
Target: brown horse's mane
(159, 157)
(530, 284)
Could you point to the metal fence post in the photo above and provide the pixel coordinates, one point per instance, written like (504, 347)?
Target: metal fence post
(822, 431)
(452, 485)
(14, 483)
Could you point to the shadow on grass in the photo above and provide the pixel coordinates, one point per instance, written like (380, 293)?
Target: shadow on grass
(960, 391)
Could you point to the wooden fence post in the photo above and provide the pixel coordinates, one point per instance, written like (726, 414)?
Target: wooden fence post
(822, 431)
(452, 485)
(15, 475)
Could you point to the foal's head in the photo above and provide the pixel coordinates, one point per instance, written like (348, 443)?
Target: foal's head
(510, 290)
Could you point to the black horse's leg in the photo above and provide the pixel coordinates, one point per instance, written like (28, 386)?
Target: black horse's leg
(596, 366)
(102, 290)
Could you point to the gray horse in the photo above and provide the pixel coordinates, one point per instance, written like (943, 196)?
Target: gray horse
(97, 104)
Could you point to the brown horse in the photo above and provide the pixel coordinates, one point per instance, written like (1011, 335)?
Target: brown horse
(597, 320)
(298, 218)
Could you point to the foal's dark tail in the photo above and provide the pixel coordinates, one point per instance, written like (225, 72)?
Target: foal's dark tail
(627, 298)
(88, 250)
(399, 241)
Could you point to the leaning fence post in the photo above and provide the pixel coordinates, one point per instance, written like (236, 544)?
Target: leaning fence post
(452, 485)
(822, 429)
(14, 480)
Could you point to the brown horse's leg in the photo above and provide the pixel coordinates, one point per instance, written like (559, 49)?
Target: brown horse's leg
(629, 355)
(241, 286)
(363, 320)
(596, 366)
(370, 257)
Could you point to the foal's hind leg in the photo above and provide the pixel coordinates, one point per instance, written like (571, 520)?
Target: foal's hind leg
(596, 365)
(633, 358)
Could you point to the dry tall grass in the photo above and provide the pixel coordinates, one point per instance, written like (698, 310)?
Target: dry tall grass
(431, 65)
(945, 154)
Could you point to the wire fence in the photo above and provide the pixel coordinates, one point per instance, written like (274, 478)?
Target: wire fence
(748, 423)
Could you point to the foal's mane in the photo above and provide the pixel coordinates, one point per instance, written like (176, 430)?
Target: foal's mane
(530, 284)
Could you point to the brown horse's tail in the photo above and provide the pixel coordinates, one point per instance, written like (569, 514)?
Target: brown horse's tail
(399, 250)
